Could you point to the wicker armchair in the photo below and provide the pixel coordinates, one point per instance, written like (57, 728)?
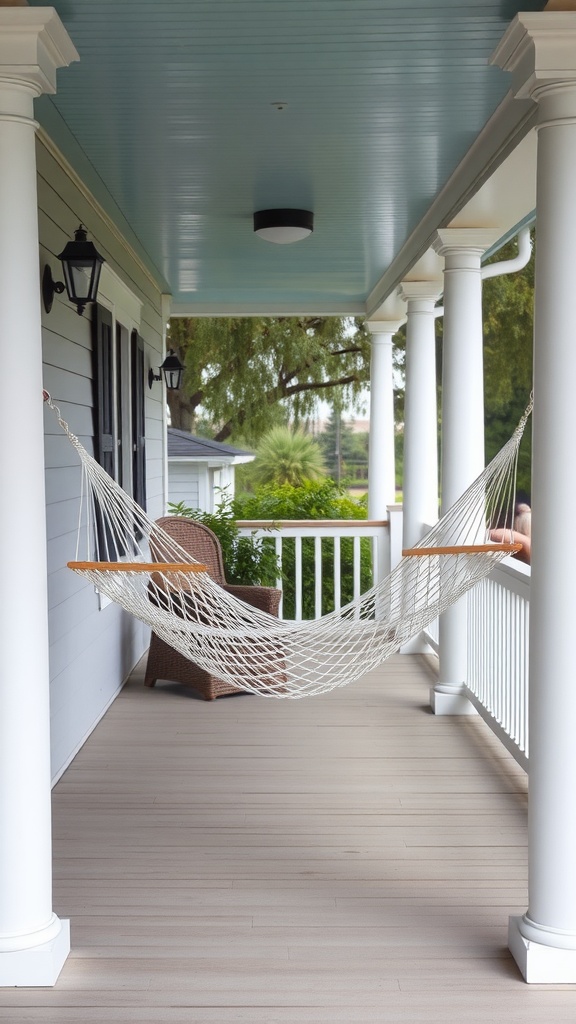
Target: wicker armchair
(166, 663)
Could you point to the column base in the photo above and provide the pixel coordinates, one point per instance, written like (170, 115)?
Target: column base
(450, 700)
(540, 964)
(38, 966)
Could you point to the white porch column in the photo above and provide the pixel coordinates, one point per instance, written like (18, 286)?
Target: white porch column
(420, 482)
(381, 451)
(34, 943)
(540, 50)
(381, 455)
(462, 449)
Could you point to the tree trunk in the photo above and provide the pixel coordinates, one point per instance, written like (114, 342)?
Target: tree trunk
(181, 410)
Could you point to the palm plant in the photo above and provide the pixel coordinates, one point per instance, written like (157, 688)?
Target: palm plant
(286, 456)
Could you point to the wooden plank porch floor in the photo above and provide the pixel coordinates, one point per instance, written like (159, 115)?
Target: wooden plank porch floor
(347, 858)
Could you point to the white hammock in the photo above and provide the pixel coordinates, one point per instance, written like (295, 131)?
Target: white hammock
(138, 566)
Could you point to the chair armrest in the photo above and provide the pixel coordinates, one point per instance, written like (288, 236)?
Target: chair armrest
(267, 599)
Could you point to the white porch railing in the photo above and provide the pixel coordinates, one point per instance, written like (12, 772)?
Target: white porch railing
(357, 552)
(498, 614)
(498, 610)
(498, 618)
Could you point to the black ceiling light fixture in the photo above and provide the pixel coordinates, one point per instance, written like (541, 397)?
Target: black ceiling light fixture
(172, 369)
(81, 264)
(283, 226)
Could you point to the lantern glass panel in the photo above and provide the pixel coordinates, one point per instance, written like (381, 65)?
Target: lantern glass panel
(82, 279)
(172, 378)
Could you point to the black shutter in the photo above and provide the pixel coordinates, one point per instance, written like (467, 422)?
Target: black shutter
(108, 545)
(138, 421)
(122, 356)
(103, 352)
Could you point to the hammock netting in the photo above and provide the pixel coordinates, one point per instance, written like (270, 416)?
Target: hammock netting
(131, 560)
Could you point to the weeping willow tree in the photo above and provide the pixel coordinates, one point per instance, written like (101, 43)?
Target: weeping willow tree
(245, 375)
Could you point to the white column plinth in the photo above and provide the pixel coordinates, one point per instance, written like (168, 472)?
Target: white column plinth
(448, 701)
(540, 964)
(540, 51)
(33, 942)
(38, 966)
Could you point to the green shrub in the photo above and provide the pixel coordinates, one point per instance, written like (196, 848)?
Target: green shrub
(313, 500)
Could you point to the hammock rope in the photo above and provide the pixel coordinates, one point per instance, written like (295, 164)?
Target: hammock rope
(130, 559)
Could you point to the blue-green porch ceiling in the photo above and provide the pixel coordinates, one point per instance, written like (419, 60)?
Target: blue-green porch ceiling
(170, 117)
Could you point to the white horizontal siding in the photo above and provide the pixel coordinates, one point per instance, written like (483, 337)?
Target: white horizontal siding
(92, 650)
(156, 502)
(62, 517)
(66, 617)
(62, 484)
(69, 653)
(79, 415)
(59, 453)
(80, 697)
(156, 489)
(184, 483)
(63, 584)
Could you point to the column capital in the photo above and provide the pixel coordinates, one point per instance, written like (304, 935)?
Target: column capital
(383, 327)
(540, 50)
(33, 45)
(425, 291)
(474, 241)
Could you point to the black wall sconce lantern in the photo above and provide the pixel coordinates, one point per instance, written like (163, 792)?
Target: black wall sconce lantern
(81, 263)
(172, 369)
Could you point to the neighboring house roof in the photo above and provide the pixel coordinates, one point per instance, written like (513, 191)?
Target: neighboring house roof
(182, 445)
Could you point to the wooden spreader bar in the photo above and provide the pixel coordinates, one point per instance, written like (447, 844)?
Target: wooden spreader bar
(463, 549)
(184, 567)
